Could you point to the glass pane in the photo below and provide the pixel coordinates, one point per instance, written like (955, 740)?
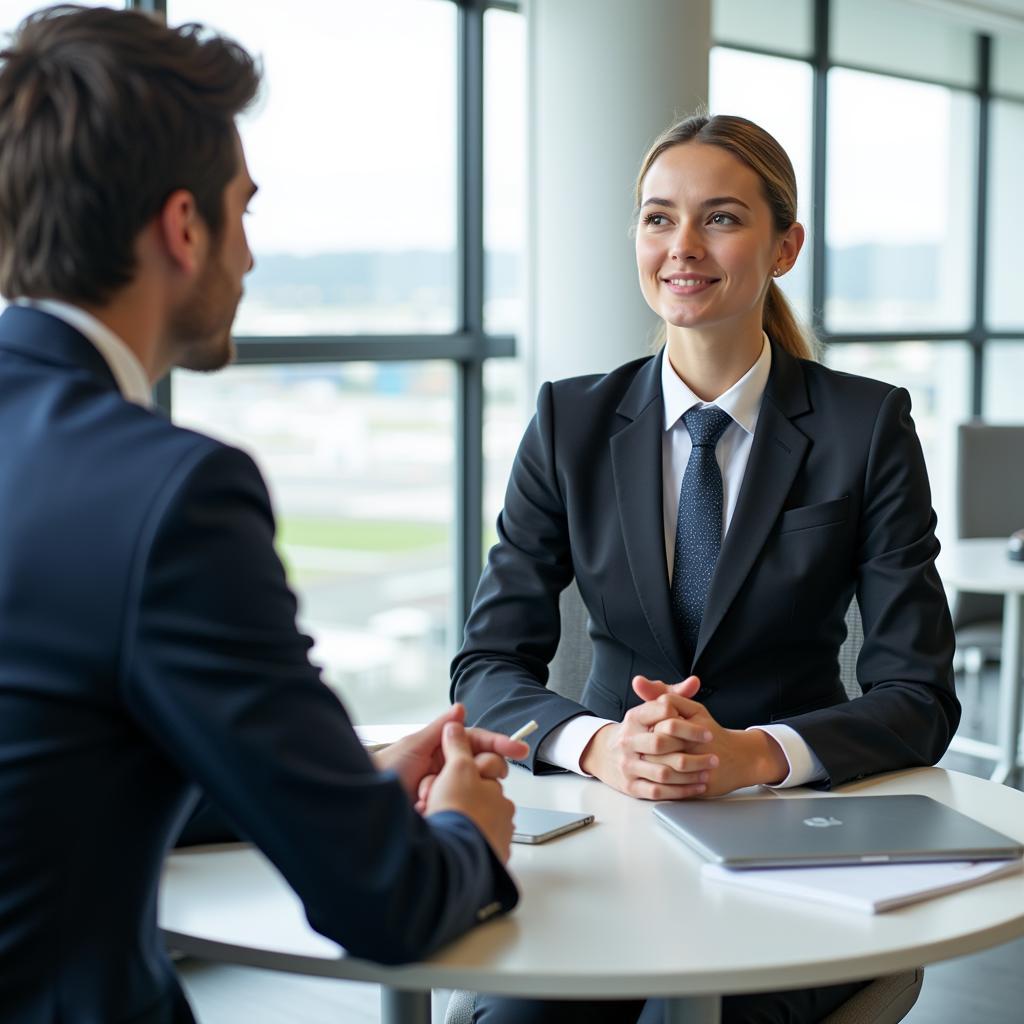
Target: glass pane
(1005, 298)
(1004, 371)
(353, 147)
(776, 94)
(359, 458)
(1008, 64)
(504, 169)
(938, 377)
(900, 204)
(783, 25)
(903, 39)
(507, 410)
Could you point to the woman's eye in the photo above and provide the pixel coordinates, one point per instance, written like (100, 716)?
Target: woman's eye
(655, 219)
(722, 218)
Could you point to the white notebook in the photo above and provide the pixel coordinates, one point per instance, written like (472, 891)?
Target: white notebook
(869, 888)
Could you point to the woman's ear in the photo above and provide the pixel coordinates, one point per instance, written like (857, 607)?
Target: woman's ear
(789, 246)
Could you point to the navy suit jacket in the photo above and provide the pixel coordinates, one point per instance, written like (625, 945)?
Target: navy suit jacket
(148, 644)
(834, 501)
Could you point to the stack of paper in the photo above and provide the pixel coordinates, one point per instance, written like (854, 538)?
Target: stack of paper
(870, 888)
(377, 737)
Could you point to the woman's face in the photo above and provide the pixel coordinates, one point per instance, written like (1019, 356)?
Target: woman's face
(706, 244)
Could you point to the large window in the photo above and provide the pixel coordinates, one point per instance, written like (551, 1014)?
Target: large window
(1003, 377)
(1005, 305)
(353, 228)
(504, 169)
(360, 461)
(913, 153)
(900, 205)
(751, 85)
(376, 383)
(389, 149)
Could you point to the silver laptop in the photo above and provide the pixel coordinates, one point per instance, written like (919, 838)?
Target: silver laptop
(832, 830)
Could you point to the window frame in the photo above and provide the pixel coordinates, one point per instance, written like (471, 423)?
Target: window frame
(977, 334)
(468, 346)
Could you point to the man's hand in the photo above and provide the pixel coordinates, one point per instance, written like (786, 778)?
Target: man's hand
(417, 758)
(459, 786)
(743, 758)
(634, 758)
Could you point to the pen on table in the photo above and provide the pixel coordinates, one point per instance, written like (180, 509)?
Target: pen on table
(524, 730)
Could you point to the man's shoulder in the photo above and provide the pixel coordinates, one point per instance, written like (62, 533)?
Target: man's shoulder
(143, 440)
(167, 456)
(142, 457)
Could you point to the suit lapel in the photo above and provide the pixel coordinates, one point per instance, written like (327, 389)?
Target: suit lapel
(776, 454)
(636, 465)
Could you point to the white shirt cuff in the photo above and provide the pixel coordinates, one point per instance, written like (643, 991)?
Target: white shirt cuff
(564, 745)
(804, 765)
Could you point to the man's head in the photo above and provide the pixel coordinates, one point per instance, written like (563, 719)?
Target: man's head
(111, 122)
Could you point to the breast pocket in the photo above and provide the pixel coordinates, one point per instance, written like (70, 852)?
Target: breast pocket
(809, 517)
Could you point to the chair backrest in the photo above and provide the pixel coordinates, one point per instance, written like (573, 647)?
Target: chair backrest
(849, 651)
(570, 666)
(989, 499)
(990, 479)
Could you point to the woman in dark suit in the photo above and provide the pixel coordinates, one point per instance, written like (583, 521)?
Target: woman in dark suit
(719, 505)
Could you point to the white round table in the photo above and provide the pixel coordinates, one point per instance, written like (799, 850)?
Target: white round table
(616, 909)
(981, 566)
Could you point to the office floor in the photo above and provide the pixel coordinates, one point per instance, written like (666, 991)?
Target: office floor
(986, 987)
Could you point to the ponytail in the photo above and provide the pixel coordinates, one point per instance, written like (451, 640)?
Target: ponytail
(782, 326)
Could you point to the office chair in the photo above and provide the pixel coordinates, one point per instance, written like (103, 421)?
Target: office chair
(886, 1000)
(990, 503)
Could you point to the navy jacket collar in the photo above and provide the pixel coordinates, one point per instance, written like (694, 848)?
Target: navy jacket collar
(37, 335)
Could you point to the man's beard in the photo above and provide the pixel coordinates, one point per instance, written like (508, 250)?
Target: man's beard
(200, 328)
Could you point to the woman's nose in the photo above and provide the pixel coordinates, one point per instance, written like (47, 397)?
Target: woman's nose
(686, 243)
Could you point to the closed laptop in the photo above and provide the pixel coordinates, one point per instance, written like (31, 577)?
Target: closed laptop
(774, 832)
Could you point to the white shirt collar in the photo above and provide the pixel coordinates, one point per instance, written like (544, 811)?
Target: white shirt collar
(742, 401)
(124, 364)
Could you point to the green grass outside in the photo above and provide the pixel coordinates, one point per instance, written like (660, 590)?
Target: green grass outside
(361, 535)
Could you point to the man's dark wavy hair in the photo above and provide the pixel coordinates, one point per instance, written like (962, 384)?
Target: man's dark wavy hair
(103, 114)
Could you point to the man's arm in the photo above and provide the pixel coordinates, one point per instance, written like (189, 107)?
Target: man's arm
(216, 671)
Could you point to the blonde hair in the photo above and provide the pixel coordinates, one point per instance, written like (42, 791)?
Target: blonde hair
(757, 149)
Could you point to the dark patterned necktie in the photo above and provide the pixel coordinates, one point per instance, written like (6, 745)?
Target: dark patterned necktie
(699, 523)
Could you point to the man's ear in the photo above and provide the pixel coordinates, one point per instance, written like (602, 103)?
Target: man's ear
(182, 231)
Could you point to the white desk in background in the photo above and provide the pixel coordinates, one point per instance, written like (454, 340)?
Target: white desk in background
(615, 909)
(980, 566)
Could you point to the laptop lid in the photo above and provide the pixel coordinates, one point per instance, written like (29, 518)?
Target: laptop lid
(832, 830)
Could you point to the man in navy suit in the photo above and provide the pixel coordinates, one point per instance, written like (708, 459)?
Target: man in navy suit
(148, 644)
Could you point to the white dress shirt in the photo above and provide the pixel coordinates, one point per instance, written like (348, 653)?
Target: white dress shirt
(564, 745)
(124, 364)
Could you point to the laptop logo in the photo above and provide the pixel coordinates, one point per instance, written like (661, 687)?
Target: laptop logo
(822, 822)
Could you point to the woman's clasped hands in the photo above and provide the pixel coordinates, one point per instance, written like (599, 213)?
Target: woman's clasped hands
(671, 748)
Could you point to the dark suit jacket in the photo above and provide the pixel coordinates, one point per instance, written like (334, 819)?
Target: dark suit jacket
(834, 501)
(148, 644)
